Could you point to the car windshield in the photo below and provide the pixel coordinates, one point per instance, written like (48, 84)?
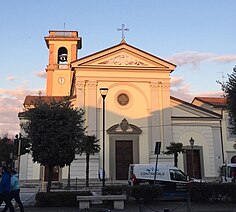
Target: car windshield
(177, 175)
(232, 171)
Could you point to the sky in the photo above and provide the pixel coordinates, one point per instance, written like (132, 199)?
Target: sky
(198, 36)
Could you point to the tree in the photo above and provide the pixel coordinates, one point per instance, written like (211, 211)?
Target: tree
(54, 129)
(175, 148)
(229, 89)
(6, 151)
(88, 146)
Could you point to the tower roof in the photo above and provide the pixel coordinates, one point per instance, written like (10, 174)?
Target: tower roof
(63, 35)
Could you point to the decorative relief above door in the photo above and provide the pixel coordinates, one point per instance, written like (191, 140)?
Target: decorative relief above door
(123, 60)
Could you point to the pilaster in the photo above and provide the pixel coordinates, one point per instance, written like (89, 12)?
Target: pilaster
(80, 93)
(91, 107)
(155, 115)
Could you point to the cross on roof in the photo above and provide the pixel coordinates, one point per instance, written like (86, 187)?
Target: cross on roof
(123, 29)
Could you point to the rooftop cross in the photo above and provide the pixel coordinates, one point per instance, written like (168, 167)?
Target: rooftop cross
(123, 29)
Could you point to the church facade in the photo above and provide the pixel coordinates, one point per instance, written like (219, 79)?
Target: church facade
(137, 112)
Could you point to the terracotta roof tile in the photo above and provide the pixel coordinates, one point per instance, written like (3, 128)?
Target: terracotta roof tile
(30, 100)
(214, 101)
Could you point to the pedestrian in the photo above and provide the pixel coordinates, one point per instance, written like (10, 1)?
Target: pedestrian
(15, 191)
(5, 186)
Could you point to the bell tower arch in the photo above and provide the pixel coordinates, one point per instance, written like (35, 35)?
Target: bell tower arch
(63, 49)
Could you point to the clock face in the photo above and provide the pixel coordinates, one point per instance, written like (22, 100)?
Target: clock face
(61, 80)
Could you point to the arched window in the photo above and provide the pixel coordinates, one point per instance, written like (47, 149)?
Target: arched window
(62, 55)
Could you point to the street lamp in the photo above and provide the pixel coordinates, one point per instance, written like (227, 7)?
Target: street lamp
(191, 141)
(18, 139)
(103, 92)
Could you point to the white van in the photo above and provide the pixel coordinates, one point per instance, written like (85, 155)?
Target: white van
(228, 173)
(170, 178)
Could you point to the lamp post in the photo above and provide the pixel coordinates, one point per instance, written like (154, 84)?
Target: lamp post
(68, 179)
(103, 92)
(18, 139)
(191, 141)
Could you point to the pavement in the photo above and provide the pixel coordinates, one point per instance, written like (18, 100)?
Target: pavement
(159, 206)
(131, 205)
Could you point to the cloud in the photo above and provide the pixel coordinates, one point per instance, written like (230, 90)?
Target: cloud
(40, 74)
(194, 58)
(182, 95)
(210, 94)
(11, 103)
(176, 81)
(180, 89)
(225, 58)
(11, 78)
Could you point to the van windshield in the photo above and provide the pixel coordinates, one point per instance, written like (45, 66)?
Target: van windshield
(177, 175)
(232, 172)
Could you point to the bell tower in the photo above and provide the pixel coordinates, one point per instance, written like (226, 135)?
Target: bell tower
(63, 47)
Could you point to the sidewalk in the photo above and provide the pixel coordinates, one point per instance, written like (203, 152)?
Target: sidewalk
(132, 206)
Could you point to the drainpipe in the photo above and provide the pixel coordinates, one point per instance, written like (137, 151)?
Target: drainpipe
(221, 137)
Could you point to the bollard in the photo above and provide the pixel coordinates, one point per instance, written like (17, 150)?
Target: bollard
(76, 183)
(188, 203)
(166, 210)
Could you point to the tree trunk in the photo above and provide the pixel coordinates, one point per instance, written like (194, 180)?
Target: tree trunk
(176, 159)
(87, 170)
(50, 173)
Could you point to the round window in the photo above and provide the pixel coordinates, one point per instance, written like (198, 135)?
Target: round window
(123, 99)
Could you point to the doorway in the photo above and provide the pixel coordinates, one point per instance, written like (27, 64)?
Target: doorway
(123, 157)
(55, 175)
(193, 163)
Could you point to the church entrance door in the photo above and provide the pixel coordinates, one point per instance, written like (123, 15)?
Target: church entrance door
(124, 157)
(193, 163)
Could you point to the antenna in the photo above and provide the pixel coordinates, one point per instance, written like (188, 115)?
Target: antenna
(222, 77)
(64, 26)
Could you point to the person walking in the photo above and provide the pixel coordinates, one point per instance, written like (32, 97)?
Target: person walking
(5, 186)
(15, 191)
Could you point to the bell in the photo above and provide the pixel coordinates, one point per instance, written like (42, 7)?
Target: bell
(63, 58)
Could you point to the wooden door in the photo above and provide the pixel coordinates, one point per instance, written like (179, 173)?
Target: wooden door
(55, 175)
(124, 157)
(193, 163)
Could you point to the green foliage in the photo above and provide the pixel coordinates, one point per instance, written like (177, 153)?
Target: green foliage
(54, 129)
(88, 145)
(231, 191)
(229, 89)
(175, 149)
(115, 189)
(59, 199)
(146, 192)
(212, 192)
(6, 149)
(200, 192)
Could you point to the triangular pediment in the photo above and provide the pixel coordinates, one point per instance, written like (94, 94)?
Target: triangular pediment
(182, 109)
(123, 55)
